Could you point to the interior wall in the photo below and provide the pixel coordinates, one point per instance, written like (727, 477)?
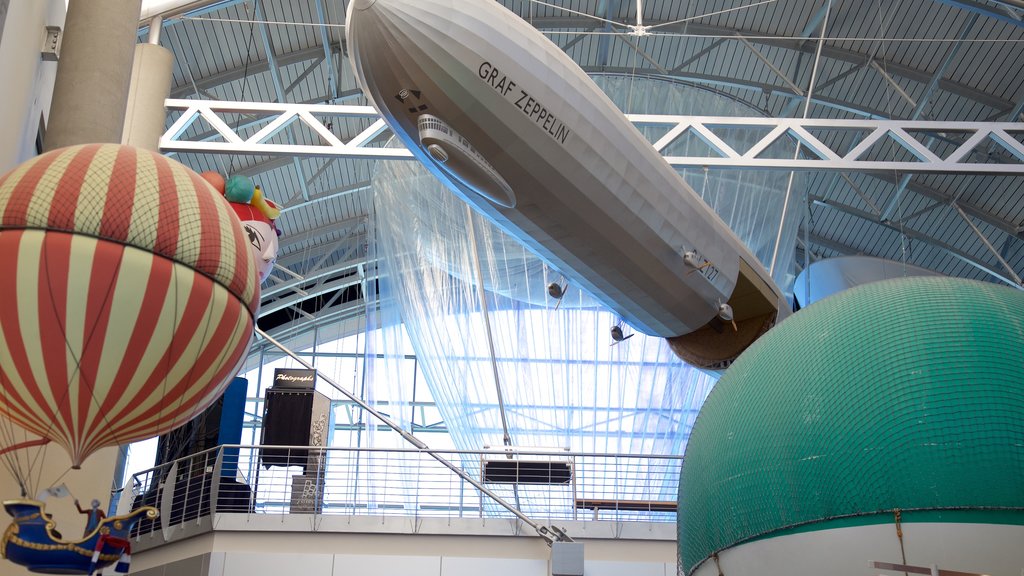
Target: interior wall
(27, 79)
(333, 554)
(4, 5)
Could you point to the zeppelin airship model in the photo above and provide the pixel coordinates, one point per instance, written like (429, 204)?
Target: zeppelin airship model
(511, 124)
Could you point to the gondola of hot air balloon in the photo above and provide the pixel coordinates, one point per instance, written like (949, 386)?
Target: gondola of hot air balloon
(128, 298)
(32, 541)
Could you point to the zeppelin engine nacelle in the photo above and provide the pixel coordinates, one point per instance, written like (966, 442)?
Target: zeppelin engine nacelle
(519, 131)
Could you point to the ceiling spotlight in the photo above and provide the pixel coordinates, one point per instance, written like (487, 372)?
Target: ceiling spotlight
(725, 314)
(557, 291)
(618, 336)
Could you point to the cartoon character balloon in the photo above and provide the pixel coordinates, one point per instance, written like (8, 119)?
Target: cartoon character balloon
(257, 215)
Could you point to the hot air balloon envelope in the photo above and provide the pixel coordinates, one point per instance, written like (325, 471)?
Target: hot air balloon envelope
(128, 296)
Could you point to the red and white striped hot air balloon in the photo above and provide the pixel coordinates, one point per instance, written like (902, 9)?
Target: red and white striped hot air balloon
(127, 296)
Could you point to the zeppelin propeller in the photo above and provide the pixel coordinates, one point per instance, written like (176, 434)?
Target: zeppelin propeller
(511, 124)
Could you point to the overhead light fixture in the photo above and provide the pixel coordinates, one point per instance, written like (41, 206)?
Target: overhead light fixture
(557, 291)
(618, 335)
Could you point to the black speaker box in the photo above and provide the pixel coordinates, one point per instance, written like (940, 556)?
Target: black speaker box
(290, 417)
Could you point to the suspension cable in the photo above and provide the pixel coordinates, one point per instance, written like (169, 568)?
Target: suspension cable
(550, 534)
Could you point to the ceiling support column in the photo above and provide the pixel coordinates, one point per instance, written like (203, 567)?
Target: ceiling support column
(152, 68)
(91, 90)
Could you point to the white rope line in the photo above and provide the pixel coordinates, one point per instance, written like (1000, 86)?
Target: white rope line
(578, 13)
(797, 38)
(709, 14)
(656, 33)
(251, 21)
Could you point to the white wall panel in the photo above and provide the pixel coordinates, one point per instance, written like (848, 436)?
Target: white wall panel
(348, 564)
(28, 80)
(610, 568)
(277, 564)
(493, 567)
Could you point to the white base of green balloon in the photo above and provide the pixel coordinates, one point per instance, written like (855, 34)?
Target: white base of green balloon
(852, 551)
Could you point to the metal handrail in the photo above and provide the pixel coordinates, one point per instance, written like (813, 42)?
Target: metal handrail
(453, 451)
(404, 482)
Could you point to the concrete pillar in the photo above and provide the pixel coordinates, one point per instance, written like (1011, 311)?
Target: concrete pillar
(4, 5)
(91, 91)
(145, 116)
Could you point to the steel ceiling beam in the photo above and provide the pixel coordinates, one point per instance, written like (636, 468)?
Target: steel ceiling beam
(720, 33)
(269, 307)
(844, 249)
(344, 311)
(990, 218)
(696, 57)
(313, 65)
(1014, 115)
(984, 239)
(342, 227)
(643, 54)
(294, 259)
(979, 9)
(860, 193)
(830, 51)
(325, 39)
(940, 72)
(756, 88)
(913, 234)
(764, 59)
(926, 210)
(929, 91)
(814, 22)
(329, 194)
(275, 75)
(820, 156)
(255, 67)
(893, 83)
(606, 8)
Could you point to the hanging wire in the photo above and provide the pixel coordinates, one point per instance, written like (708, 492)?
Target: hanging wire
(168, 364)
(245, 78)
(890, 106)
(573, 12)
(650, 28)
(796, 154)
(734, 36)
(636, 62)
(254, 21)
(709, 14)
(40, 457)
(12, 454)
(904, 242)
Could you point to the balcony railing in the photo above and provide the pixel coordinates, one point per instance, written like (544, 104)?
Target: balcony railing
(412, 483)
